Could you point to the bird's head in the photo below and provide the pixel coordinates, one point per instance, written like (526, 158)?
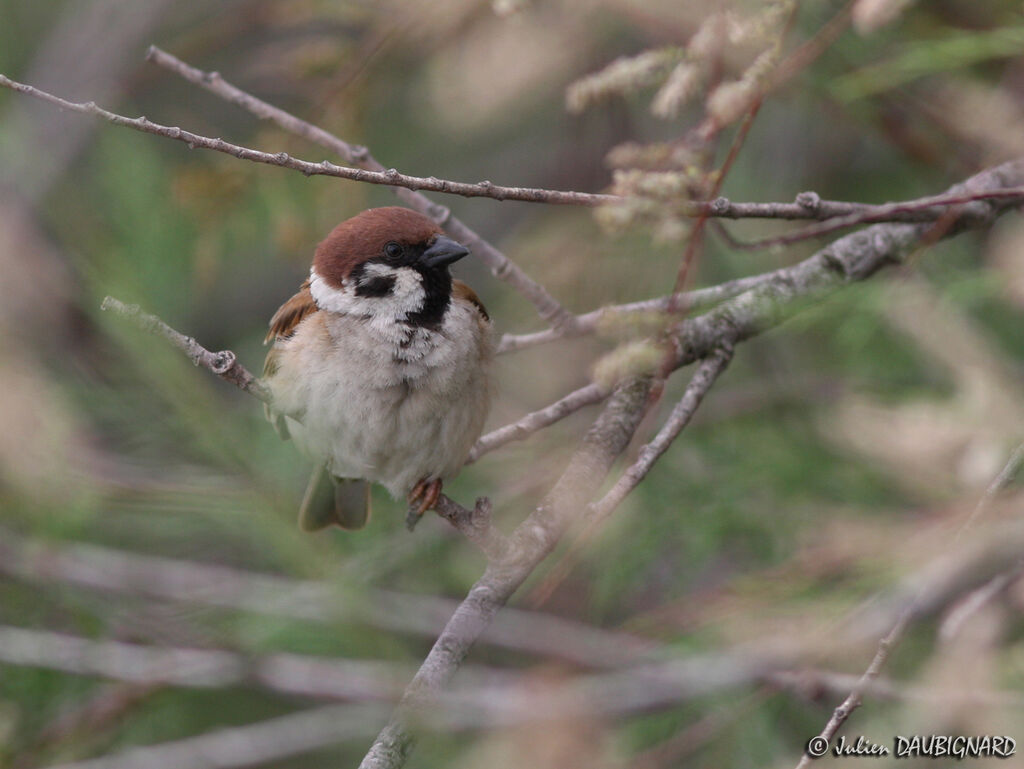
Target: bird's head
(386, 263)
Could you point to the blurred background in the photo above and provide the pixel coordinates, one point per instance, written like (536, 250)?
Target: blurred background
(838, 454)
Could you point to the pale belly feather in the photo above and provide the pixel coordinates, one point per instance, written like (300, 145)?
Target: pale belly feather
(385, 410)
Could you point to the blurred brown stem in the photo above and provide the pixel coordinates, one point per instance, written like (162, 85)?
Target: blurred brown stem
(972, 602)
(192, 583)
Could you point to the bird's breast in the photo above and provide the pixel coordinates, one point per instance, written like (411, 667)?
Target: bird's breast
(389, 403)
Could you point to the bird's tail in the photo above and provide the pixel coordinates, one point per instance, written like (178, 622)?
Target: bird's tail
(329, 500)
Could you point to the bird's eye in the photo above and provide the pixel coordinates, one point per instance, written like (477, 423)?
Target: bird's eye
(393, 250)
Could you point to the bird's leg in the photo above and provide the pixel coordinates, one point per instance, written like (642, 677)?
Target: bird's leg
(423, 497)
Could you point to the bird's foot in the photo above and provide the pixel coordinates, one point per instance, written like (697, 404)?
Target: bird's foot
(423, 497)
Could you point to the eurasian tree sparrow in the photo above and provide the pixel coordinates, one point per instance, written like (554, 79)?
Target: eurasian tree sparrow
(380, 367)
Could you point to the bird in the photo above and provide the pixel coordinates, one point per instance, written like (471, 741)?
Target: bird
(380, 367)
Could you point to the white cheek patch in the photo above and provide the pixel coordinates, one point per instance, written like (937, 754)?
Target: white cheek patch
(406, 297)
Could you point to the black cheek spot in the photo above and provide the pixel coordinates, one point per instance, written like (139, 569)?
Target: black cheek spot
(376, 287)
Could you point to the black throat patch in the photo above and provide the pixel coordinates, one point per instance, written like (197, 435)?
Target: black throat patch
(437, 285)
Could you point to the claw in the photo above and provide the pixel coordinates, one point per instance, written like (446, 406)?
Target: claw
(430, 497)
(423, 497)
(417, 491)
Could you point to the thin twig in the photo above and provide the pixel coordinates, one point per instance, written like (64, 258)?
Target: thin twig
(812, 48)
(881, 213)
(590, 322)
(856, 695)
(501, 266)
(719, 207)
(914, 608)
(389, 177)
(696, 239)
(534, 421)
(852, 258)
(974, 602)
(476, 525)
(531, 541)
(1000, 482)
(703, 378)
(224, 363)
(810, 206)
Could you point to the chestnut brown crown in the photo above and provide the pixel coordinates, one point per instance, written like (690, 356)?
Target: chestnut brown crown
(365, 237)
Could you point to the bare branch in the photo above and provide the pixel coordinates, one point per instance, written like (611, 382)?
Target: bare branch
(224, 363)
(808, 205)
(685, 303)
(476, 525)
(389, 177)
(838, 214)
(536, 420)
(813, 207)
(531, 541)
(703, 378)
(1000, 482)
(929, 209)
(853, 258)
(972, 603)
(926, 597)
(501, 266)
(856, 695)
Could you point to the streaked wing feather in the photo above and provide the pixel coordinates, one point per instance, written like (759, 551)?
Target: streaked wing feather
(461, 291)
(291, 313)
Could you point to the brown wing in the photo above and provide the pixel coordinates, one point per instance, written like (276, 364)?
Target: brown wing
(285, 321)
(461, 291)
(290, 314)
